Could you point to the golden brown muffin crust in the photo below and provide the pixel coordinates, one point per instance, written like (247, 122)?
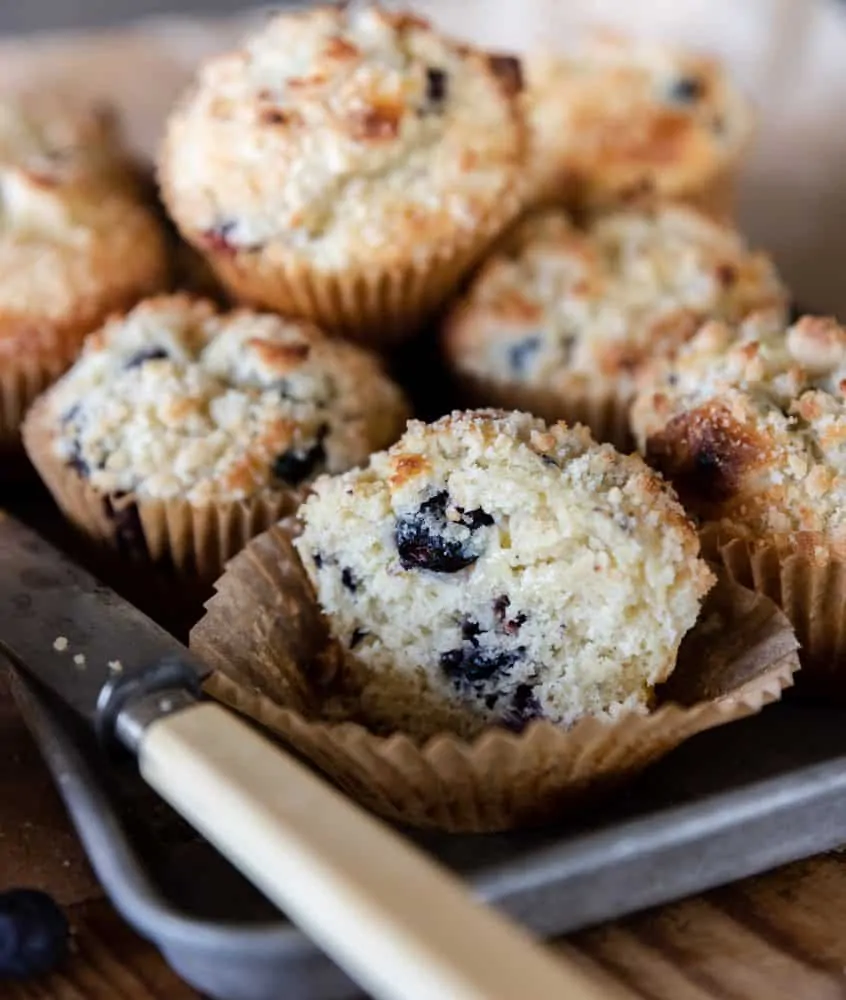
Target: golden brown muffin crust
(76, 240)
(749, 423)
(621, 118)
(345, 135)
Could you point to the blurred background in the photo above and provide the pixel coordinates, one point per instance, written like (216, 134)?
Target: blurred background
(35, 15)
(789, 55)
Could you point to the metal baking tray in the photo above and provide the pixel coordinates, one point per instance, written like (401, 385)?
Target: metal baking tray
(728, 804)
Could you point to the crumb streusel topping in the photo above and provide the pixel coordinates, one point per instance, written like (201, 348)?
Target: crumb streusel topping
(490, 568)
(344, 133)
(178, 400)
(749, 423)
(558, 306)
(622, 117)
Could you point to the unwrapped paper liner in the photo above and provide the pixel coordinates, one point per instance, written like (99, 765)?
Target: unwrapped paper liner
(265, 637)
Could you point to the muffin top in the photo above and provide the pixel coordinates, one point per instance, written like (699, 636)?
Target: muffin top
(621, 117)
(562, 307)
(513, 569)
(49, 141)
(177, 400)
(75, 240)
(750, 424)
(337, 127)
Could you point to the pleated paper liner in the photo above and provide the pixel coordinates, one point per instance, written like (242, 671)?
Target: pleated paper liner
(21, 381)
(264, 635)
(168, 552)
(377, 306)
(606, 413)
(23, 377)
(806, 577)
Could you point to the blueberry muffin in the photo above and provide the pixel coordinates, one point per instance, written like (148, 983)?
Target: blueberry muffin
(490, 569)
(749, 423)
(561, 319)
(182, 431)
(76, 242)
(346, 165)
(620, 118)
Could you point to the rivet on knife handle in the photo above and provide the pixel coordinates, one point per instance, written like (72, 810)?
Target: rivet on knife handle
(143, 710)
(128, 704)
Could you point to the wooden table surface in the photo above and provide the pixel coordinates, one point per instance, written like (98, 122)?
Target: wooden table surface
(781, 936)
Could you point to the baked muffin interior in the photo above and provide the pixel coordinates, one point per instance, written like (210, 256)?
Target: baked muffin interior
(490, 569)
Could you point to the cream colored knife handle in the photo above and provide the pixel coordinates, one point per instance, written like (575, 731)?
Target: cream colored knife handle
(399, 924)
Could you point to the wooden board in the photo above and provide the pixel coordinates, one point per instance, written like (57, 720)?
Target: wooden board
(778, 936)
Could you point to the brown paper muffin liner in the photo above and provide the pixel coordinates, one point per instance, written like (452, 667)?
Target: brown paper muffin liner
(379, 307)
(805, 577)
(605, 413)
(193, 543)
(24, 377)
(264, 635)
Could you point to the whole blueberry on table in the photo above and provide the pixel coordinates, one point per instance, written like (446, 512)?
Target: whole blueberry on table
(33, 934)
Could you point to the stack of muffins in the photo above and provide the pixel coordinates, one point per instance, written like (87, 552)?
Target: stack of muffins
(561, 229)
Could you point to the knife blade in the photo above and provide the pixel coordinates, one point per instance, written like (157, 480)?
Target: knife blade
(402, 926)
(77, 637)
